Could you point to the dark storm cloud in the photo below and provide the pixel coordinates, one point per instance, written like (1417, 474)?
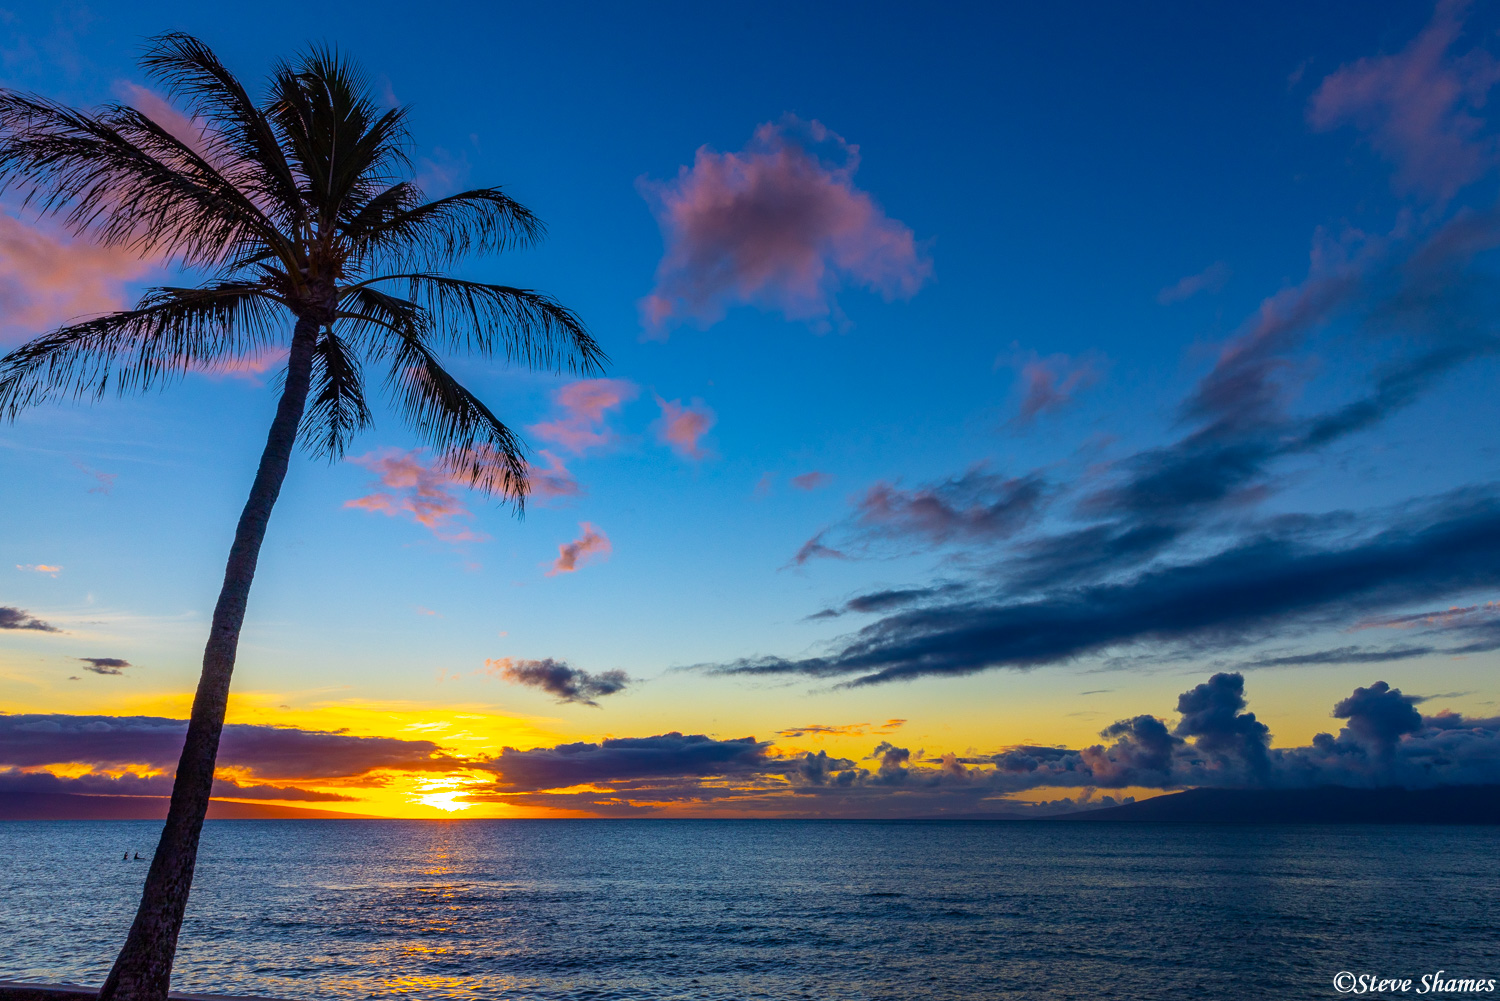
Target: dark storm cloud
(569, 684)
(105, 665)
(1447, 546)
(623, 758)
(267, 752)
(16, 618)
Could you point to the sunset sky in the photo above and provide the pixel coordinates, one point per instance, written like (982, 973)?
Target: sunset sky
(981, 377)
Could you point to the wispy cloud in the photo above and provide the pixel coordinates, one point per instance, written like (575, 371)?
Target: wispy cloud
(415, 489)
(581, 424)
(592, 544)
(1049, 383)
(551, 482)
(250, 368)
(104, 483)
(813, 480)
(815, 548)
(42, 568)
(777, 226)
(682, 427)
(1419, 107)
(1210, 279)
(842, 729)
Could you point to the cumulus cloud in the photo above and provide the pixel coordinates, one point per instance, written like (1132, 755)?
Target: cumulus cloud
(583, 409)
(777, 226)
(1213, 713)
(416, 489)
(42, 568)
(592, 544)
(682, 427)
(105, 665)
(555, 677)
(1419, 107)
(1216, 742)
(1210, 279)
(16, 618)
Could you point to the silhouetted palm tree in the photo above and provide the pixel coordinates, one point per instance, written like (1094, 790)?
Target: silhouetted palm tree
(295, 205)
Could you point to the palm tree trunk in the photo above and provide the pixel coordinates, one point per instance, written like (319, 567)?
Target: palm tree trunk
(143, 971)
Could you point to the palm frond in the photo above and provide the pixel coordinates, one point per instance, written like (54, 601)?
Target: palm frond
(192, 72)
(394, 228)
(336, 409)
(334, 133)
(521, 325)
(171, 331)
(472, 443)
(99, 173)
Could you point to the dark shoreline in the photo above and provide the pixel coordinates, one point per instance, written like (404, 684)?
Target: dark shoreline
(14, 990)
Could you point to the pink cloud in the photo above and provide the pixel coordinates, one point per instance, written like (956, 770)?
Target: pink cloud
(814, 548)
(250, 368)
(764, 485)
(1419, 107)
(1247, 376)
(442, 173)
(683, 427)
(47, 279)
(552, 482)
(188, 131)
(777, 227)
(592, 543)
(812, 480)
(1210, 279)
(1048, 384)
(584, 405)
(104, 482)
(416, 490)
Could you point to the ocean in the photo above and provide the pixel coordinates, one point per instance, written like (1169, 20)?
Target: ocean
(700, 910)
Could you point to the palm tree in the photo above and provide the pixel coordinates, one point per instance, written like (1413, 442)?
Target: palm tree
(295, 205)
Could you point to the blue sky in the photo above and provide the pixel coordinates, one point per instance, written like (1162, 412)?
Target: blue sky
(1099, 199)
